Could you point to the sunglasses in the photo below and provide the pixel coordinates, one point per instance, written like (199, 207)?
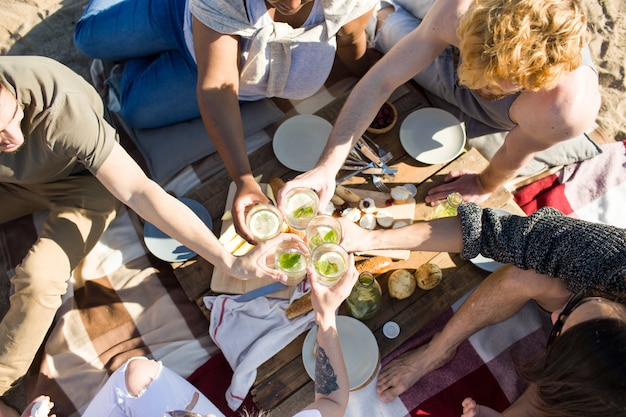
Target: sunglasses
(576, 300)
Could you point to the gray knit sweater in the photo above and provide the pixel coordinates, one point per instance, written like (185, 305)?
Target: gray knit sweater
(579, 252)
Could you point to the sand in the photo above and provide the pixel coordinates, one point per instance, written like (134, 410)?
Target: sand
(45, 27)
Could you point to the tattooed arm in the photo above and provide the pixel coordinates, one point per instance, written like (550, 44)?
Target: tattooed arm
(331, 378)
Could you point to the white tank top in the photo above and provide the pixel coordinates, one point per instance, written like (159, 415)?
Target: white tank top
(310, 62)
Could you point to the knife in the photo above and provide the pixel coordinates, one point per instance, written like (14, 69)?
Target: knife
(259, 292)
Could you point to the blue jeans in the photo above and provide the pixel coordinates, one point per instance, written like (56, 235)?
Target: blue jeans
(158, 84)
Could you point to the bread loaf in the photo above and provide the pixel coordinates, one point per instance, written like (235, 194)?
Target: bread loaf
(347, 195)
(428, 276)
(376, 265)
(300, 306)
(401, 284)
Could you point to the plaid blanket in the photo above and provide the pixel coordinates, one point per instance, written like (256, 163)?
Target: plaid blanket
(122, 303)
(482, 368)
(593, 190)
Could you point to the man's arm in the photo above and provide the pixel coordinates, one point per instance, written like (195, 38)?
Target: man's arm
(121, 175)
(217, 91)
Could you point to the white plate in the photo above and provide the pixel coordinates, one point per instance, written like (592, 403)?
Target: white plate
(359, 348)
(432, 136)
(170, 250)
(300, 140)
(488, 264)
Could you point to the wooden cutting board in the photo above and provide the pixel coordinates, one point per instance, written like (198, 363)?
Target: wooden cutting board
(221, 282)
(400, 212)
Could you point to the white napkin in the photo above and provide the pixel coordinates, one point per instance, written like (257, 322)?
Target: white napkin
(251, 332)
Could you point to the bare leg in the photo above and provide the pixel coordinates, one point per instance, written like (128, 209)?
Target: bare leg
(471, 409)
(499, 297)
(139, 374)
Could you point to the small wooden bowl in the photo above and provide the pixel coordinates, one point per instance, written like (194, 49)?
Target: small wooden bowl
(394, 112)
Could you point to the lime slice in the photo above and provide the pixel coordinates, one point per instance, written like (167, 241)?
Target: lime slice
(264, 225)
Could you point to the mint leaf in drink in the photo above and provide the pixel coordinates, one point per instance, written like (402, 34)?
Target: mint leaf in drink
(326, 268)
(331, 236)
(288, 261)
(302, 212)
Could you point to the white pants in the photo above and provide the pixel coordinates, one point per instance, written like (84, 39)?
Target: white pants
(168, 391)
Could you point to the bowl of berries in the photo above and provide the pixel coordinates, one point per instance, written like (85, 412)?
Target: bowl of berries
(385, 119)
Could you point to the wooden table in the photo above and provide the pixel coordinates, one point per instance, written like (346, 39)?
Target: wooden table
(282, 385)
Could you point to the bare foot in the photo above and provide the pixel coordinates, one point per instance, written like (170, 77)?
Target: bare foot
(6, 411)
(471, 409)
(403, 372)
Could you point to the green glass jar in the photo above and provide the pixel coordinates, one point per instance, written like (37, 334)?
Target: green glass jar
(449, 207)
(364, 300)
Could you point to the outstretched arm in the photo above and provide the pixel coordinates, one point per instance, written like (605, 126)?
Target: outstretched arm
(218, 92)
(332, 387)
(414, 52)
(544, 118)
(121, 175)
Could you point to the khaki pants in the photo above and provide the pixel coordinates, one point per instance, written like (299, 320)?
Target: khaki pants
(80, 210)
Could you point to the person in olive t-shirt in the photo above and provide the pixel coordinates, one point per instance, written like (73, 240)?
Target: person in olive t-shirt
(57, 152)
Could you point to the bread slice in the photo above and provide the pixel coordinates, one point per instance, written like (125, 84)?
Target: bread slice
(300, 306)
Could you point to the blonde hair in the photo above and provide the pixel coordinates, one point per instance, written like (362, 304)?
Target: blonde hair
(530, 43)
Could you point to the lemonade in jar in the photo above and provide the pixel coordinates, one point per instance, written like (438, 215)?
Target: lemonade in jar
(264, 221)
(323, 229)
(301, 205)
(292, 258)
(330, 261)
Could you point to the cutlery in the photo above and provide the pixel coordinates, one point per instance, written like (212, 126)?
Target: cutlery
(384, 155)
(380, 159)
(259, 292)
(355, 172)
(378, 183)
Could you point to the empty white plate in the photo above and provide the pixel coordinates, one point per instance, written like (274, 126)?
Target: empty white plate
(359, 348)
(432, 136)
(170, 250)
(300, 140)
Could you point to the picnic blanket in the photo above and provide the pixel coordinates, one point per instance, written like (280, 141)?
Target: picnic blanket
(122, 303)
(593, 190)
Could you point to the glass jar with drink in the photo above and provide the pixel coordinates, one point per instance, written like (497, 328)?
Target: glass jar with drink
(449, 207)
(323, 229)
(330, 261)
(292, 257)
(364, 300)
(301, 205)
(264, 221)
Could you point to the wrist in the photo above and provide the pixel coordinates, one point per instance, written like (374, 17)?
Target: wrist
(245, 178)
(326, 320)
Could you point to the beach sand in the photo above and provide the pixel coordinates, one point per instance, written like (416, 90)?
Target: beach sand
(45, 27)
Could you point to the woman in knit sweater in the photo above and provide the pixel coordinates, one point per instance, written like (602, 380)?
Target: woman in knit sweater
(572, 268)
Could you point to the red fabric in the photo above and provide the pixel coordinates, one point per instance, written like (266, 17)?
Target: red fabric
(548, 191)
(212, 379)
